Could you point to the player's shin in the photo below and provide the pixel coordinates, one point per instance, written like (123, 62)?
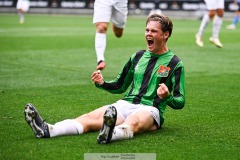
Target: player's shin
(66, 127)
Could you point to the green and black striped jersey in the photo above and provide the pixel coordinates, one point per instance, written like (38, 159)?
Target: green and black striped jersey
(143, 73)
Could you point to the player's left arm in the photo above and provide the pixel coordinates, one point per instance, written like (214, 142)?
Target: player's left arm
(176, 97)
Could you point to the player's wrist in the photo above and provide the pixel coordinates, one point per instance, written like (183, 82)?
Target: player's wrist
(100, 83)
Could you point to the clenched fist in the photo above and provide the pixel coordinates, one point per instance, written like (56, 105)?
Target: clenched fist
(97, 77)
(162, 91)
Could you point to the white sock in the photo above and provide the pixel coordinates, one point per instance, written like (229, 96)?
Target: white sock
(217, 24)
(121, 132)
(66, 127)
(100, 45)
(204, 24)
(21, 16)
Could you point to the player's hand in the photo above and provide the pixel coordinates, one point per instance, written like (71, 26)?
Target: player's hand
(97, 77)
(162, 91)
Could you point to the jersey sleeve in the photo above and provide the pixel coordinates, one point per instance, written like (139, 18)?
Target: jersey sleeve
(176, 99)
(123, 80)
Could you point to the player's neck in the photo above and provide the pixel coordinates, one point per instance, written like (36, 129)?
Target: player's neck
(163, 50)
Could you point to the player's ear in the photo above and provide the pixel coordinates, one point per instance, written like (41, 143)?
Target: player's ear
(166, 34)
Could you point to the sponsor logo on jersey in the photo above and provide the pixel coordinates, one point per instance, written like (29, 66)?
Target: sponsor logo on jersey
(163, 71)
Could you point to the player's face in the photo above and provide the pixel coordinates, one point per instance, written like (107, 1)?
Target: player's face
(154, 37)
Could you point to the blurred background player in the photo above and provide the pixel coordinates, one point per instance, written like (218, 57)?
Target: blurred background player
(215, 13)
(104, 12)
(155, 10)
(22, 7)
(236, 16)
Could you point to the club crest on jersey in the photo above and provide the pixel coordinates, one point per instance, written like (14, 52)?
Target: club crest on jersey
(163, 71)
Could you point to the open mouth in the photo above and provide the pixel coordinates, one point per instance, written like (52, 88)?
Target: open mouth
(150, 42)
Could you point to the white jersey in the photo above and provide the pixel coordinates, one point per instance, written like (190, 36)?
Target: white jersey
(214, 4)
(23, 5)
(111, 10)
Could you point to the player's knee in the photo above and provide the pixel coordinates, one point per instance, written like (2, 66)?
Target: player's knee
(212, 13)
(101, 28)
(135, 126)
(220, 14)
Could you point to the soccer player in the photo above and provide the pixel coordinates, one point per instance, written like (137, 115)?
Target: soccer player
(104, 12)
(215, 13)
(236, 16)
(22, 7)
(155, 79)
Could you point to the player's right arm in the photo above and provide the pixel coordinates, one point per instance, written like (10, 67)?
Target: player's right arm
(122, 82)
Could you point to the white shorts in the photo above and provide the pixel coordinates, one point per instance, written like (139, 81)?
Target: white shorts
(23, 4)
(214, 4)
(124, 109)
(114, 10)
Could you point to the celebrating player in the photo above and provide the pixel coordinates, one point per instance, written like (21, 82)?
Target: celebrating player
(155, 79)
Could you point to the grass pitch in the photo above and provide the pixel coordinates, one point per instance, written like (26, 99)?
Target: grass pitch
(48, 61)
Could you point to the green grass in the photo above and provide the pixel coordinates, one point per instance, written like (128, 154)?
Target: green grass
(48, 61)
